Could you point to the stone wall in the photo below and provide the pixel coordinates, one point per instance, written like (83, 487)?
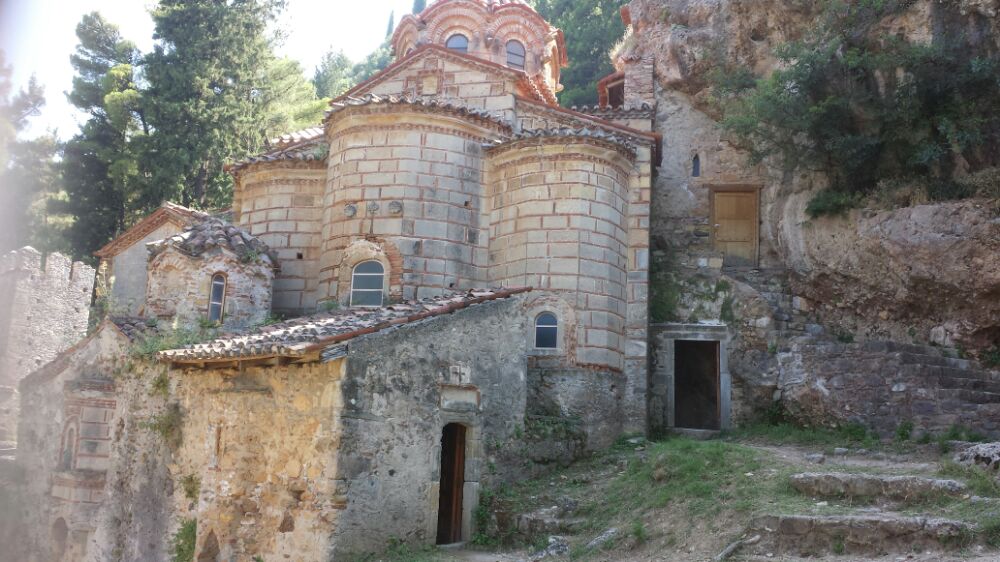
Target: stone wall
(401, 388)
(65, 444)
(282, 205)
(882, 385)
(179, 288)
(43, 310)
(128, 272)
(413, 179)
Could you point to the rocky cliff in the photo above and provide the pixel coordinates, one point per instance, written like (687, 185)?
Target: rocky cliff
(927, 273)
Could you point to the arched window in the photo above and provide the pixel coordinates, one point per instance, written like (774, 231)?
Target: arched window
(367, 284)
(546, 331)
(217, 298)
(515, 55)
(458, 42)
(66, 459)
(696, 166)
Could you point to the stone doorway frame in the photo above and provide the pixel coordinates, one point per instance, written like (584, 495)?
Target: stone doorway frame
(473, 472)
(662, 376)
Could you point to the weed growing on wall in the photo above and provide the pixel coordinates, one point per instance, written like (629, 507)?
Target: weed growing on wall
(191, 485)
(183, 543)
(168, 425)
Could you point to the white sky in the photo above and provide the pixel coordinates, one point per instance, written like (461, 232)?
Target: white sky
(38, 37)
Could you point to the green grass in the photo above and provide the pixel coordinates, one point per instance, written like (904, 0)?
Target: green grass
(786, 433)
(400, 552)
(183, 542)
(980, 482)
(191, 485)
(168, 425)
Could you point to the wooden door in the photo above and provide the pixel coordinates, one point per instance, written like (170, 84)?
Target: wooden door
(452, 484)
(734, 217)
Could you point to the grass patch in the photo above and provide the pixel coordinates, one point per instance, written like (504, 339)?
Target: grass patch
(398, 551)
(160, 386)
(184, 540)
(980, 482)
(152, 343)
(786, 433)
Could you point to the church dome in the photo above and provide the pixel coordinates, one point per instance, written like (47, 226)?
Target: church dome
(506, 32)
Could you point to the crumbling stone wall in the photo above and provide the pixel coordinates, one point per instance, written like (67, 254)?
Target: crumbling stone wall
(43, 310)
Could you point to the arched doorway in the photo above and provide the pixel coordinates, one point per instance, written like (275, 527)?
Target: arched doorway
(60, 533)
(452, 484)
(209, 549)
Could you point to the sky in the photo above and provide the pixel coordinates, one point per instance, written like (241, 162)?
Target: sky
(38, 36)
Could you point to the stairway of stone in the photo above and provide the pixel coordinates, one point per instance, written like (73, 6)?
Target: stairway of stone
(791, 315)
(867, 519)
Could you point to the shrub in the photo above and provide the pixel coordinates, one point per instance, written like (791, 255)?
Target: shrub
(832, 203)
(904, 431)
(865, 109)
(168, 425)
(191, 485)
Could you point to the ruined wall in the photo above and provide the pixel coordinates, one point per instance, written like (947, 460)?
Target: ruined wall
(259, 448)
(282, 205)
(179, 288)
(43, 310)
(128, 272)
(400, 389)
(69, 410)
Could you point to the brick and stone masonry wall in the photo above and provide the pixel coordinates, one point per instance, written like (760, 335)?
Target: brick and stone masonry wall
(412, 179)
(179, 288)
(558, 223)
(43, 310)
(281, 203)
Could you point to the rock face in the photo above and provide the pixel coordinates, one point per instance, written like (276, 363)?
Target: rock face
(925, 274)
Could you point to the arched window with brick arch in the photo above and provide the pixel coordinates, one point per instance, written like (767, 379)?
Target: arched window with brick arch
(368, 284)
(458, 42)
(68, 452)
(546, 331)
(516, 54)
(217, 298)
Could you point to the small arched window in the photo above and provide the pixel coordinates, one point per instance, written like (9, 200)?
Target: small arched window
(458, 42)
(515, 55)
(367, 284)
(217, 298)
(66, 459)
(696, 166)
(546, 331)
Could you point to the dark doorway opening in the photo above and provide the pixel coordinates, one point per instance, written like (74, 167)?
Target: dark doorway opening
(696, 384)
(452, 483)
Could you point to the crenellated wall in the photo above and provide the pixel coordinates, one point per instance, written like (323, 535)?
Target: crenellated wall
(44, 307)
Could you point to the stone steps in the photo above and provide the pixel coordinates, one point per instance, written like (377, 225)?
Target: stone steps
(822, 536)
(874, 486)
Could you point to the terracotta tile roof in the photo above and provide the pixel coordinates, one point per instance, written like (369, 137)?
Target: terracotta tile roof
(215, 233)
(565, 132)
(303, 338)
(307, 145)
(450, 106)
(168, 212)
(644, 111)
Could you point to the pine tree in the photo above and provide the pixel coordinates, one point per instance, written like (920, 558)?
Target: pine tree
(392, 23)
(101, 172)
(592, 27)
(287, 100)
(333, 75)
(419, 6)
(206, 77)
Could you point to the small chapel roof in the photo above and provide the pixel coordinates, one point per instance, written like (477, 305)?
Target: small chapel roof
(213, 233)
(304, 339)
(167, 213)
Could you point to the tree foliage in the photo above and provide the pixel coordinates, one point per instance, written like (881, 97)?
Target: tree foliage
(419, 6)
(29, 179)
(592, 27)
(871, 111)
(334, 75)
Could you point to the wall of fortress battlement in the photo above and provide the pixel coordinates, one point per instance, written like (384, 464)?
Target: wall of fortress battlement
(44, 307)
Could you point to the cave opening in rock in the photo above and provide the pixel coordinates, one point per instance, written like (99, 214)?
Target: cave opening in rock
(696, 372)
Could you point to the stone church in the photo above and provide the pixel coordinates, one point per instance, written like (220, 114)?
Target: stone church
(443, 287)
(459, 256)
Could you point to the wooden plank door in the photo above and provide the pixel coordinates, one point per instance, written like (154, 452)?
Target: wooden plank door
(735, 220)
